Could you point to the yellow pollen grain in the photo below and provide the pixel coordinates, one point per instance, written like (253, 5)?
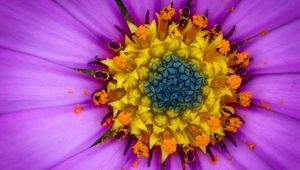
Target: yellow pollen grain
(124, 118)
(214, 123)
(200, 21)
(242, 58)
(169, 145)
(167, 13)
(244, 98)
(78, 109)
(141, 149)
(142, 32)
(120, 62)
(234, 81)
(100, 97)
(233, 124)
(135, 163)
(202, 140)
(224, 47)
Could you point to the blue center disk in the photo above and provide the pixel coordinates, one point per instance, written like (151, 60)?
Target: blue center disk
(174, 83)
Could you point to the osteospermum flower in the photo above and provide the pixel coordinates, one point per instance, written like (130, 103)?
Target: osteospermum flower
(175, 85)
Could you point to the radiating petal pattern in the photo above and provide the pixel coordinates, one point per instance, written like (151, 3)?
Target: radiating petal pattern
(39, 139)
(28, 82)
(43, 29)
(98, 16)
(276, 52)
(107, 155)
(252, 17)
(275, 137)
(280, 92)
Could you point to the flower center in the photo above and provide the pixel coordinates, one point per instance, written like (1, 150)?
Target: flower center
(174, 84)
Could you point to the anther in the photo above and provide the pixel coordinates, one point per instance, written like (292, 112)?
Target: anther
(120, 62)
(214, 123)
(124, 118)
(244, 98)
(147, 17)
(210, 153)
(169, 145)
(202, 140)
(234, 81)
(233, 124)
(228, 35)
(100, 97)
(140, 149)
(224, 47)
(200, 21)
(142, 33)
(130, 140)
(167, 13)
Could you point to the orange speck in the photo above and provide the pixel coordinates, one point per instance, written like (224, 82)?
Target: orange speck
(229, 159)
(234, 81)
(200, 21)
(135, 163)
(265, 105)
(224, 47)
(123, 168)
(70, 92)
(214, 123)
(167, 13)
(120, 62)
(169, 145)
(263, 33)
(107, 121)
(217, 157)
(142, 32)
(124, 118)
(280, 101)
(85, 92)
(244, 98)
(78, 109)
(231, 8)
(251, 145)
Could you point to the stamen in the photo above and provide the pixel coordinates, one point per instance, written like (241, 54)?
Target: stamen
(100, 97)
(169, 145)
(121, 134)
(124, 118)
(234, 81)
(224, 47)
(142, 33)
(217, 29)
(189, 152)
(130, 140)
(200, 21)
(202, 140)
(107, 118)
(228, 35)
(167, 13)
(214, 123)
(120, 62)
(233, 124)
(147, 17)
(244, 98)
(210, 153)
(103, 75)
(141, 149)
(242, 58)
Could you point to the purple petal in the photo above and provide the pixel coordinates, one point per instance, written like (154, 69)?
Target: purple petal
(43, 29)
(277, 52)
(108, 155)
(28, 82)
(252, 17)
(98, 16)
(217, 9)
(281, 91)
(39, 139)
(138, 9)
(276, 137)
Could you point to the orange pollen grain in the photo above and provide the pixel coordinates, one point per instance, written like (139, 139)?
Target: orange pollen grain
(265, 105)
(231, 9)
(202, 140)
(141, 149)
(85, 92)
(263, 33)
(70, 92)
(100, 97)
(135, 163)
(120, 62)
(124, 118)
(200, 21)
(233, 124)
(251, 145)
(242, 57)
(142, 32)
(169, 145)
(167, 13)
(214, 123)
(78, 109)
(244, 98)
(224, 47)
(234, 81)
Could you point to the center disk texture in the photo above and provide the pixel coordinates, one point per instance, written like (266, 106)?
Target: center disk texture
(175, 84)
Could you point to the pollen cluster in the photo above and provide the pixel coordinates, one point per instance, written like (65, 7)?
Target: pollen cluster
(173, 85)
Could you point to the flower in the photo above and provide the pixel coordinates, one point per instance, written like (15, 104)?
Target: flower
(47, 119)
